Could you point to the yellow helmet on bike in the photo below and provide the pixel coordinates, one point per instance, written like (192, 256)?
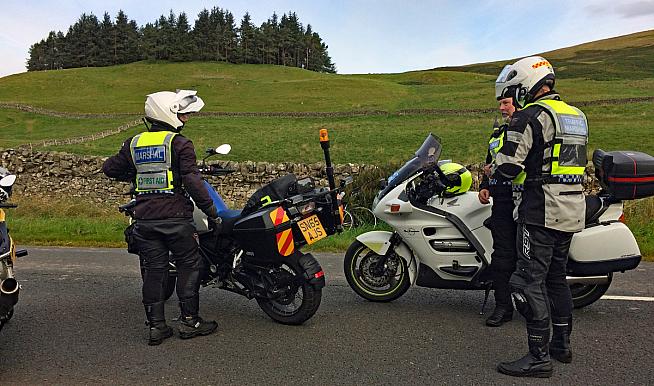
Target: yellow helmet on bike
(459, 178)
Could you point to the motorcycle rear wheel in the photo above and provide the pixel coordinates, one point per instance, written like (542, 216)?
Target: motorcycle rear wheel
(587, 294)
(7, 318)
(299, 303)
(361, 274)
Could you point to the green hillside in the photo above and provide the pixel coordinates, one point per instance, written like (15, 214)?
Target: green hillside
(623, 57)
(262, 88)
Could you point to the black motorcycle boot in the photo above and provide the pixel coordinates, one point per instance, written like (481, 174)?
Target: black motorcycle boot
(192, 325)
(560, 344)
(499, 316)
(503, 307)
(537, 362)
(157, 323)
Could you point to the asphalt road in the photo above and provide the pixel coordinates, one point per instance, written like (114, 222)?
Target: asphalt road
(80, 321)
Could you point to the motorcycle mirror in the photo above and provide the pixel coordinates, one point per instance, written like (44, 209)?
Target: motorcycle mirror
(223, 149)
(7, 181)
(346, 181)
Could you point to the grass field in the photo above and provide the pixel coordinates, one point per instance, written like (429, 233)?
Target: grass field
(258, 88)
(616, 68)
(18, 127)
(380, 139)
(42, 221)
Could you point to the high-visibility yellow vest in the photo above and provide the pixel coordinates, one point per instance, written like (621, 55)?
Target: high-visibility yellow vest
(494, 146)
(568, 155)
(152, 157)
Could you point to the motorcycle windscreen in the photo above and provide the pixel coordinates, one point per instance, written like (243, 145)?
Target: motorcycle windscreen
(427, 155)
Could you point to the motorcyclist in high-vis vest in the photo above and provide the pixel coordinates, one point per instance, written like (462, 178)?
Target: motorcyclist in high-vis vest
(547, 140)
(162, 165)
(502, 225)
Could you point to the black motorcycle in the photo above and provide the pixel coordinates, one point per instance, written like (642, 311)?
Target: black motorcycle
(255, 252)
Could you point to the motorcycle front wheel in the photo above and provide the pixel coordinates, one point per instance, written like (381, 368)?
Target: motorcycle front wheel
(372, 281)
(292, 303)
(587, 294)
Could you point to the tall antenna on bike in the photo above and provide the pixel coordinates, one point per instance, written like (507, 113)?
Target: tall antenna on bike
(329, 170)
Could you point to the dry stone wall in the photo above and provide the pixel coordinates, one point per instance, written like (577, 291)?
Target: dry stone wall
(63, 175)
(56, 174)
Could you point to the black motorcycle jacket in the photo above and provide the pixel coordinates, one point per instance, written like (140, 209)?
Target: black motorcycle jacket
(158, 206)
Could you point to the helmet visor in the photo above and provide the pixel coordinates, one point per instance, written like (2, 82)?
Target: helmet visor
(186, 102)
(190, 104)
(506, 74)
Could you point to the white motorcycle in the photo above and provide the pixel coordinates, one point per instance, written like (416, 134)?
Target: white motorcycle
(440, 241)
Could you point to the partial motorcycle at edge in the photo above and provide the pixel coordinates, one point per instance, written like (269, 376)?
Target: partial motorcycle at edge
(9, 287)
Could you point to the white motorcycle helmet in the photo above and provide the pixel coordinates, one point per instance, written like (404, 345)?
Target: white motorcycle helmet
(522, 79)
(5, 191)
(162, 107)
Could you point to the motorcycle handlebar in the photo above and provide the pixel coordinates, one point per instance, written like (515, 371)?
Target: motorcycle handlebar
(216, 170)
(8, 206)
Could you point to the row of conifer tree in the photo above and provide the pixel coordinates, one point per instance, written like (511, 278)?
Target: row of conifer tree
(214, 37)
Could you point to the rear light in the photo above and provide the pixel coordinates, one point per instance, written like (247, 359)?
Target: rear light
(318, 275)
(622, 219)
(395, 207)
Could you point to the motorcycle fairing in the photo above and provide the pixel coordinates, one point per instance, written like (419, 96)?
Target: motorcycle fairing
(434, 223)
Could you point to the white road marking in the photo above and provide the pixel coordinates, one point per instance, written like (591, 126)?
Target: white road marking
(631, 298)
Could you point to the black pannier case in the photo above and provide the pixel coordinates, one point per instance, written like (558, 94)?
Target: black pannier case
(626, 175)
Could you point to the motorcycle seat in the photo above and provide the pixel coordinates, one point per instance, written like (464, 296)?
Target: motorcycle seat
(229, 217)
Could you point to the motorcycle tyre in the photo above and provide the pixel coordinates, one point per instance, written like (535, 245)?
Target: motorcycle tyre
(8, 318)
(352, 252)
(310, 300)
(587, 294)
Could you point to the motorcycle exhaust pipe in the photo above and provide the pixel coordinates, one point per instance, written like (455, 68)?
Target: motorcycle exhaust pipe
(604, 279)
(9, 286)
(9, 289)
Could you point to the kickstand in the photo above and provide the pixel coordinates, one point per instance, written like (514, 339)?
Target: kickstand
(486, 294)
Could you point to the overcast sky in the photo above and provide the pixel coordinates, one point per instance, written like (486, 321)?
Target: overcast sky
(367, 35)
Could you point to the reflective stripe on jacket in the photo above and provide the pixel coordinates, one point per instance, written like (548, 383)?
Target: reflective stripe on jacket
(495, 143)
(567, 152)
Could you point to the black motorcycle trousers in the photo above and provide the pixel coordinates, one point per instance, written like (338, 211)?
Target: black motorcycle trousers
(539, 281)
(157, 240)
(503, 230)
